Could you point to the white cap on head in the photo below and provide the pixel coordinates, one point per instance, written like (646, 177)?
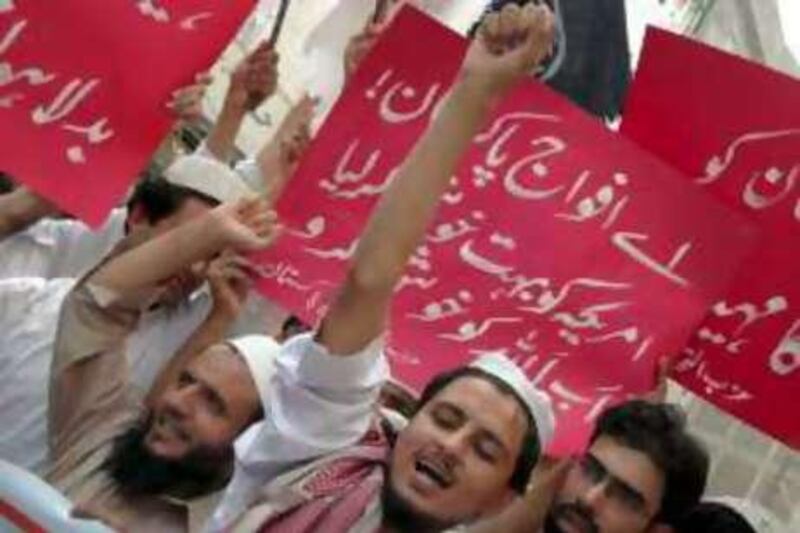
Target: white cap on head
(207, 176)
(537, 401)
(260, 352)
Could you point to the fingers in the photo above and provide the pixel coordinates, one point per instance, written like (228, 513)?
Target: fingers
(186, 102)
(526, 30)
(257, 75)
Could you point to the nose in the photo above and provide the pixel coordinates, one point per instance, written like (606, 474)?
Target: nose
(595, 494)
(456, 443)
(180, 400)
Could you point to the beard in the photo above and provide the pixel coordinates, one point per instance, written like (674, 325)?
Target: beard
(137, 471)
(399, 514)
(562, 509)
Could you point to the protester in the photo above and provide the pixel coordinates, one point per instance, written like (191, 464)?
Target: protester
(145, 463)
(191, 185)
(641, 469)
(320, 460)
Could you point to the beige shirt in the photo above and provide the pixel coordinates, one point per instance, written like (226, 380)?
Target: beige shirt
(92, 402)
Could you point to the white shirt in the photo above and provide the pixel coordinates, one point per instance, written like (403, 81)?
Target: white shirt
(319, 404)
(29, 310)
(59, 248)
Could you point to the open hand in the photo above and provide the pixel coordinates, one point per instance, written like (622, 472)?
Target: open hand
(187, 102)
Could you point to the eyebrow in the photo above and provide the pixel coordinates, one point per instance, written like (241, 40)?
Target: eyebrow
(210, 392)
(622, 483)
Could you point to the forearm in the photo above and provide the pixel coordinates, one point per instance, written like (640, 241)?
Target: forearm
(398, 224)
(222, 138)
(213, 330)
(161, 257)
(269, 166)
(21, 208)
(414, 195)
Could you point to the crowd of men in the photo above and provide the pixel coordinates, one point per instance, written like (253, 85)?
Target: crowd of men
(142, 377)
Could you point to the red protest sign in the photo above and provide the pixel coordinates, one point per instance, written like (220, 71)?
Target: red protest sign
(83, 86)
(734, 127)
(569, 249)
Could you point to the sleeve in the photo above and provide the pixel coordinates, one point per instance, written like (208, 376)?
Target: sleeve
(250, 172)
(89, 372)
(319, 403)
(202, 150)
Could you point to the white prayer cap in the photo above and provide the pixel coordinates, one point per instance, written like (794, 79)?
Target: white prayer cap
(260, 352)
(207, 176)
(537, 402)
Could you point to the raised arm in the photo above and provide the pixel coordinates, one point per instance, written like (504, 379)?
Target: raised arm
(229, 279)
(89, 371)
(279, 157)
(21, 208)
(253, 80)
(245, 225)
(508, 46)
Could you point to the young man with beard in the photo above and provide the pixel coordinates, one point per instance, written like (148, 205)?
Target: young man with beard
(321, 460)
(141, 462)
(642, 473)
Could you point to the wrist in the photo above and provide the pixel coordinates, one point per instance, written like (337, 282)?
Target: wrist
(215, 230)
(234, 107)
(219, 320)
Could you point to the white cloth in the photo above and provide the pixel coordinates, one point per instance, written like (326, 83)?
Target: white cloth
(29, 310)
(320, 403)
(249, 171)
(59, 248)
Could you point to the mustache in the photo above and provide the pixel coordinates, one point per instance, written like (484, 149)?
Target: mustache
(576, 509)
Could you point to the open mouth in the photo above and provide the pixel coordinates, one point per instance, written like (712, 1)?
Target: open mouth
(578, 521)
(169, 425)
(435, 473)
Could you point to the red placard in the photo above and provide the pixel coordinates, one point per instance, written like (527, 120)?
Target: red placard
(734, 127)
(568, 248)
(83, 85)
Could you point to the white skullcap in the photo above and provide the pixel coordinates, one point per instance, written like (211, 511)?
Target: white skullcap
(207, 176)
(259, 351)
(537, 402)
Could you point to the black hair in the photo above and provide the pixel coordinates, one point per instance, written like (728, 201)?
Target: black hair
(6, 183)
(712, 517)
(659, 431)
(137, 471)
(292, 326)
(531, 447)
(160, 199)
